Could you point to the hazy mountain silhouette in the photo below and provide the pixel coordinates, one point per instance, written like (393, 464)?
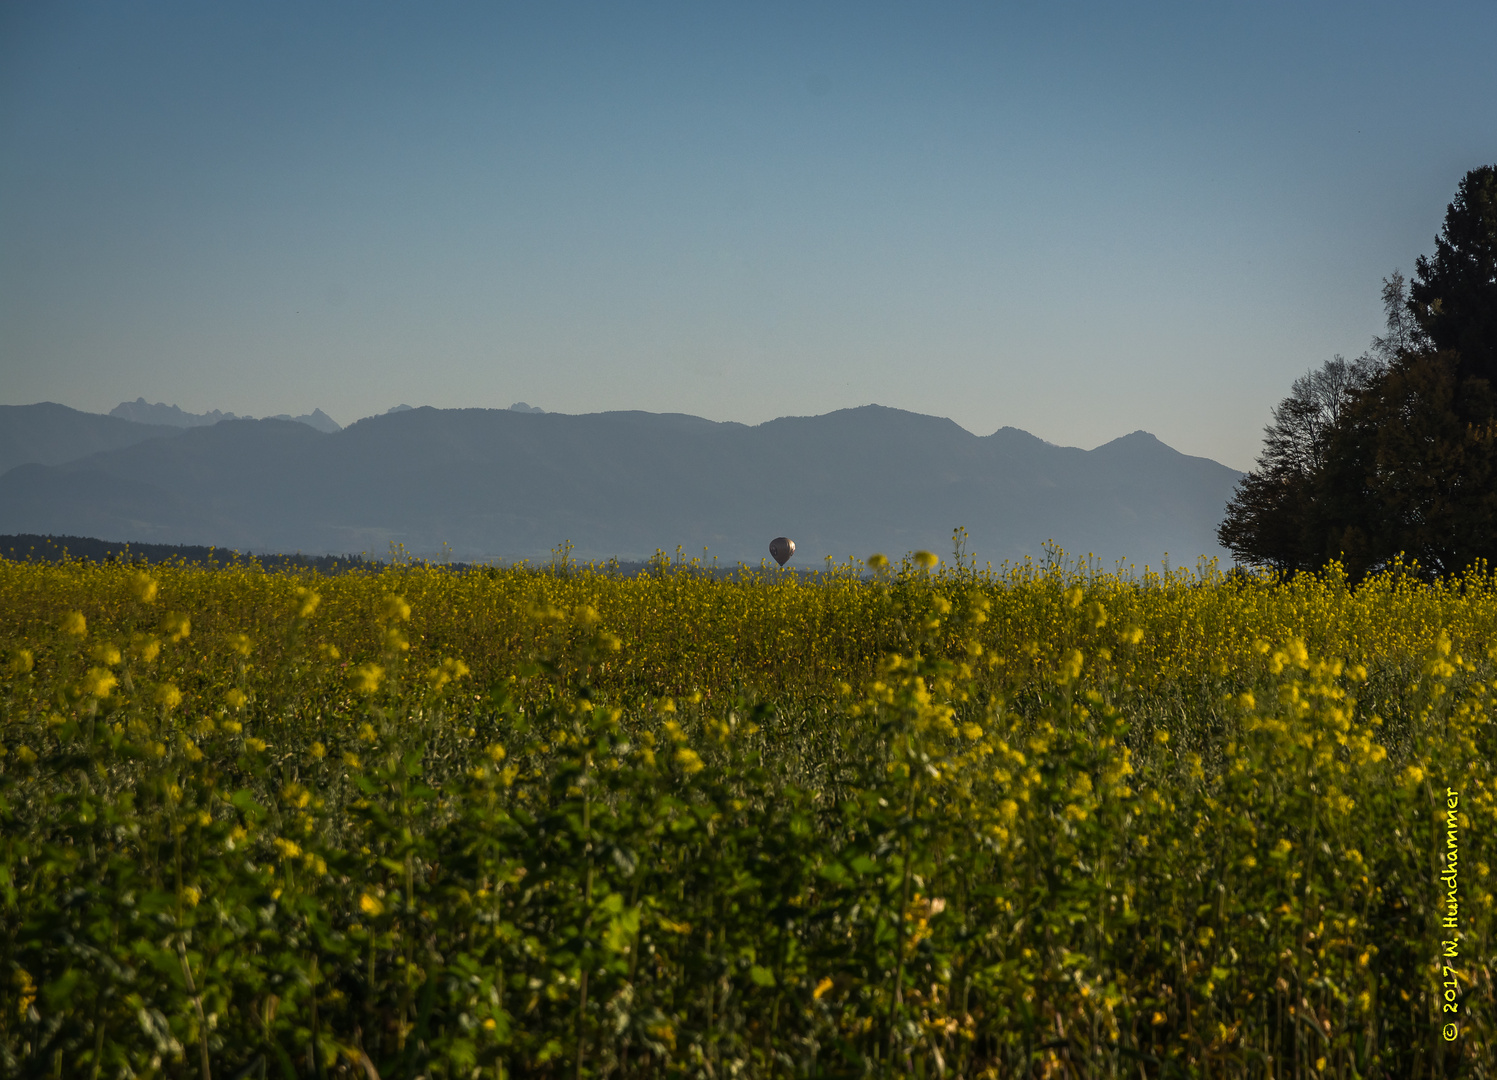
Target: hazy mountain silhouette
(316, 418)
(142, 412)
(506, 484)
(50, 434)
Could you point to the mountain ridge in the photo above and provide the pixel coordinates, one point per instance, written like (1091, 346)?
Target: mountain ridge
(498, 483)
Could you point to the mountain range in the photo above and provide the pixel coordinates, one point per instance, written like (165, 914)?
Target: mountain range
(143, 412)
(511, 484)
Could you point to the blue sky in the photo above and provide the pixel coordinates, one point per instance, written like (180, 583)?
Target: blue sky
(1080, 220)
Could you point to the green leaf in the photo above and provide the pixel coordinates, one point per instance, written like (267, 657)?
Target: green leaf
(245, 803)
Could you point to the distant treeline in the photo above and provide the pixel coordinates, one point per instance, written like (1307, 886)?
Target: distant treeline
(31, 548)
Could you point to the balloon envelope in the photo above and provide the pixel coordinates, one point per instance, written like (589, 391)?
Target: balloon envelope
(782, 547)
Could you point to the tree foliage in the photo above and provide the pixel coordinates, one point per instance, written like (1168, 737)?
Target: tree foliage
(1454, 295)
(1392, 456)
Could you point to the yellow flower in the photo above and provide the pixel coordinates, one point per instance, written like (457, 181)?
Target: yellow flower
(307, 602)
(821, 988)
(99, 682)
(143, 586)
(192, 894)
(352, 761)
(74, 624)
(241, 644)
(106, 654)
(370, 905)
(259, 746)
(689, 761)
(877, 562)
(925, 559)
(395, 608)
(449, 669)
(21, 661)
(496, 753)
(319, 751)
(367, 677)
(168, 696)
(176, 626)
(236, 698)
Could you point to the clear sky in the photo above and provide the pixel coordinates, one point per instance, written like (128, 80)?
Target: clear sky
(1079, 219)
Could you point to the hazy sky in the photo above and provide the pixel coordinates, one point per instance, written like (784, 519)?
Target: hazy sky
(1075, 219)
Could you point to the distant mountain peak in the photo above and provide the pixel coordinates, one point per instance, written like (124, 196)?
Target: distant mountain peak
(140, 411)
(315, 419)
(1136, 440)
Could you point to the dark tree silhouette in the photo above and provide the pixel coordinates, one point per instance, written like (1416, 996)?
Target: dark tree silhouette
(1454, 294)
(1408, 473)
(1393, 455)
(1269, 520)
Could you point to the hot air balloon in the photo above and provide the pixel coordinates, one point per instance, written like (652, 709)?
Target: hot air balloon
(782, 547)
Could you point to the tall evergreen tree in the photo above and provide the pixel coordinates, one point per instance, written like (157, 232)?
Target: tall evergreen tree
(1454, 294)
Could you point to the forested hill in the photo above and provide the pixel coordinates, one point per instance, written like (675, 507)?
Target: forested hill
(504, 484)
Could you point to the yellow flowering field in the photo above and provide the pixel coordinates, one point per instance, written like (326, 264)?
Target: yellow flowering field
(890, 820)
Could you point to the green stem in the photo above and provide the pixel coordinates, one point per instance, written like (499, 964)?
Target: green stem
(587, 903)
(896, 999)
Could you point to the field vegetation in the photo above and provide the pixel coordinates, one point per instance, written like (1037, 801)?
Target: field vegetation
(897, 820)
